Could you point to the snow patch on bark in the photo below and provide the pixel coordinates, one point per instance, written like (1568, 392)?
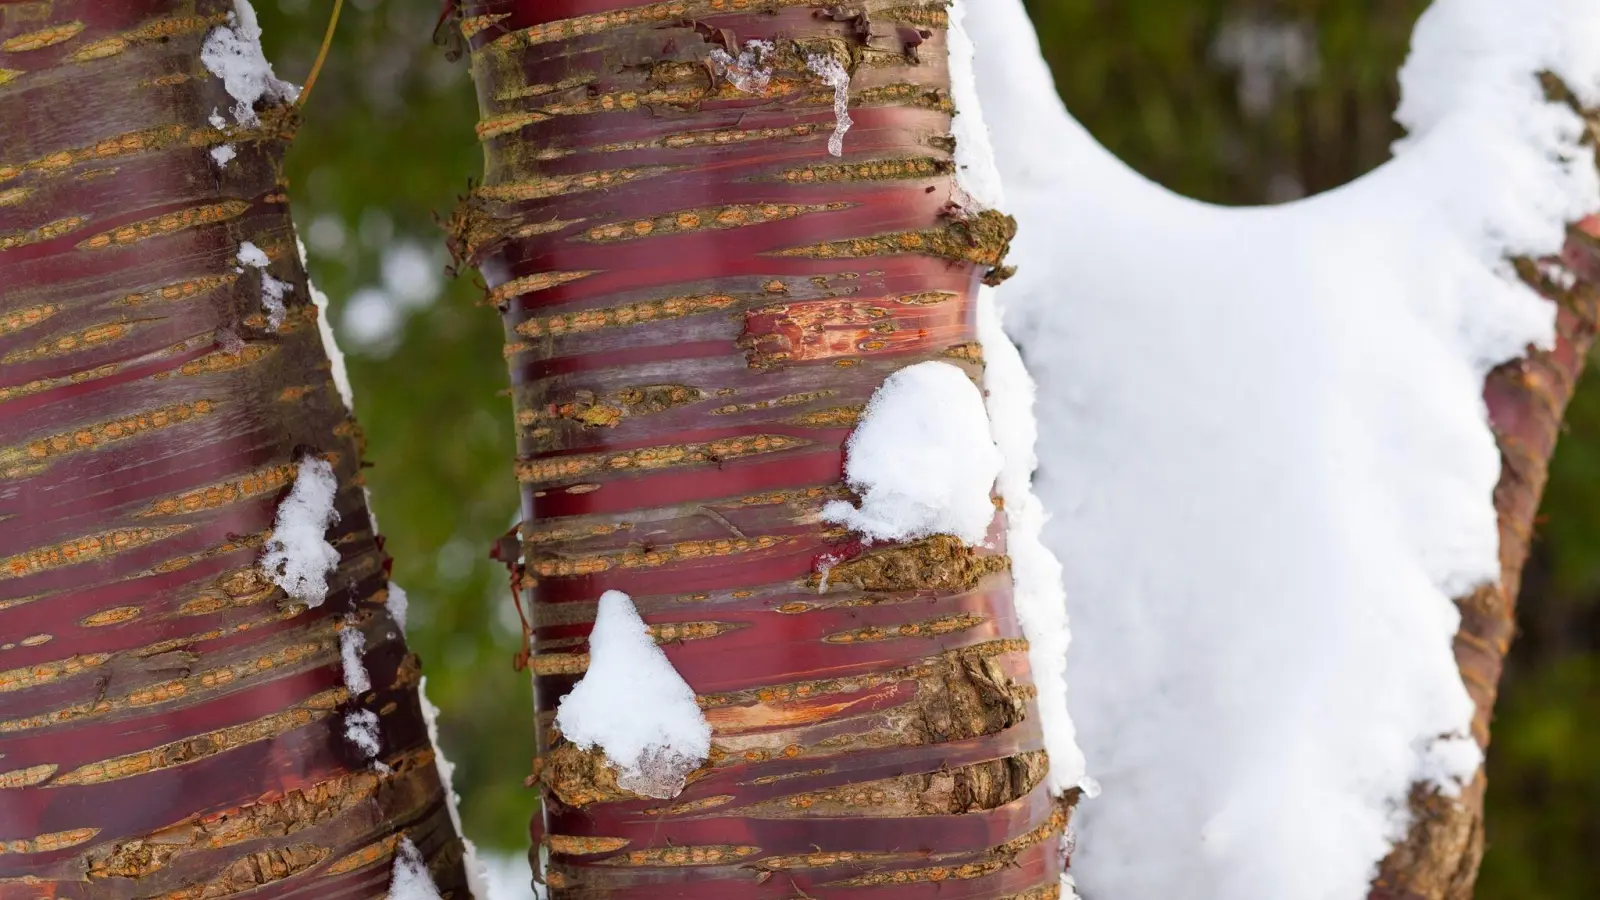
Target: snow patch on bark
(1268, 456)
(361, 729)
(352, 644)
(272, 290)
(921, 459)
(298, 556)
(223, 155)
(632, 704)
(232, 52)
(410, 879)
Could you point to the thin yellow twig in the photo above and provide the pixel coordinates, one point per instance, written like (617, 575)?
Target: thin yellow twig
(322, 54)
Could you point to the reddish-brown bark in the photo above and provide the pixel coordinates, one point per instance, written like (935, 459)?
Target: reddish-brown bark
(698, 301)
(1527, 399)
(170, 723)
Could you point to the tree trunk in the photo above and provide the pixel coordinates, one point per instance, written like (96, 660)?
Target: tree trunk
(698, 301)
(171, 725)
(1526, 399)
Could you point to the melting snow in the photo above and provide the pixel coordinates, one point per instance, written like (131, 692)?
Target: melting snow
(298, 556)
(1265, 445)
(223, 155)
(232, 52)
(834, 75)
(634, 705)
(922, 459)
(745, 73)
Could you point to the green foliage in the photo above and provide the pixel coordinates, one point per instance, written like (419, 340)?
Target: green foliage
(388, 144)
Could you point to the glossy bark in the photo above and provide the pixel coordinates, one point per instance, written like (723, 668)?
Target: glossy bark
(171, 725)
(698, 301)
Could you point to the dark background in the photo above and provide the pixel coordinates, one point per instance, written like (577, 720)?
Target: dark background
(1231, 101)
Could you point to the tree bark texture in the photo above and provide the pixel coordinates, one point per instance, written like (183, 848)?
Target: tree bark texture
(699, 300)
(171, 724)
(1527, 399)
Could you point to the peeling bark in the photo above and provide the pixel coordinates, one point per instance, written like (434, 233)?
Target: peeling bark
(698, 302)
(171, 725)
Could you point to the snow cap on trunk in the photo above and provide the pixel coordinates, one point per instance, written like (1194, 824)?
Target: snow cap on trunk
(632, 704)
(921, 459)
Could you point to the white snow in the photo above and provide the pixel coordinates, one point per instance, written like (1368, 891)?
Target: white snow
(834, 75)
(298, 556)
(352, 643)
(1267, 455)
(921, 459)
(272, 293)
(272, 290)
(216, 120)
(361, 729)
(1010, 394)
(410, 879)
(223, 155)
(634, 705)
(977, 175)
(330, 346)
(477, 874)
(745, 73)
(232, 52)
(251, 255)
(397, 605)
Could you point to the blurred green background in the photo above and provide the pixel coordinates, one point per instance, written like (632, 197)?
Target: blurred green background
(1232, 101)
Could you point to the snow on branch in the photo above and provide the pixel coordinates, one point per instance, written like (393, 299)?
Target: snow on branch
(1264, 443)
(635, 706)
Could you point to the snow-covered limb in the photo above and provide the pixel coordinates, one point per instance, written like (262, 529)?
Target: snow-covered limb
(298, 556)
(632, 704)
(1264, 442)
